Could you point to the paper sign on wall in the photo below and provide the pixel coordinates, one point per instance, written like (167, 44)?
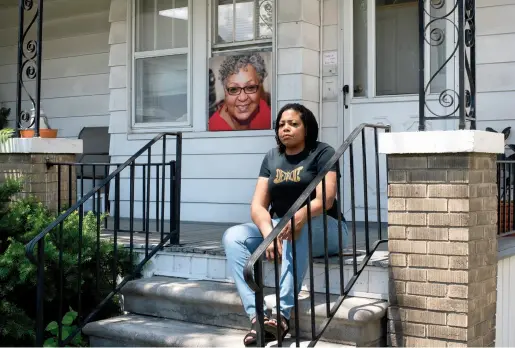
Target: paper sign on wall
(330, 58)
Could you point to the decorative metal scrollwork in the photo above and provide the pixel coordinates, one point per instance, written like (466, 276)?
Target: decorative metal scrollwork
(27, 4)
(29, 64)
(440, 19)
(265, 17)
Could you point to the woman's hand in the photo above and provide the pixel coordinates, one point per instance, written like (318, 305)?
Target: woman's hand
(300, 221)
(270, 255)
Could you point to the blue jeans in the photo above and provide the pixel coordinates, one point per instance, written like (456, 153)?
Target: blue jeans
(242, 240)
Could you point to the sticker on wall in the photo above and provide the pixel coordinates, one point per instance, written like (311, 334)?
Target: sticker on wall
(239, 92)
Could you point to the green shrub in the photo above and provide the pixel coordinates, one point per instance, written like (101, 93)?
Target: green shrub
(21, 221)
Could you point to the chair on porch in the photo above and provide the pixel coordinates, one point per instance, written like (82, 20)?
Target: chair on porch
(95, 142)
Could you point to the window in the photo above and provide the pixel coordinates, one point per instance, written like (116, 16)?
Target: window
(396, 45)
(161, 62)
(242, 21)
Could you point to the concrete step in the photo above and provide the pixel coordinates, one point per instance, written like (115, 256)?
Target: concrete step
(359, 321)
(372, 283)
(143, 331)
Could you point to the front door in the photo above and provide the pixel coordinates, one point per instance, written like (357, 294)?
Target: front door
(380, 46)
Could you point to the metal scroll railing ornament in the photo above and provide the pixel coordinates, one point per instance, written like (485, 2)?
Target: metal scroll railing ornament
(458, 101)
(29, 64)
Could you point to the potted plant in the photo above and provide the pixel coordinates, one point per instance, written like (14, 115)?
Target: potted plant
(44, 127)
(506, 182)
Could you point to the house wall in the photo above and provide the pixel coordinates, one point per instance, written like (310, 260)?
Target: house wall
(505, 317)
(75, 72)
(496, 64)
(219, 169)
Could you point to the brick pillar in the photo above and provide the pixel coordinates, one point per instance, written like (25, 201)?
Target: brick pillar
(442, 214)
(18, 161)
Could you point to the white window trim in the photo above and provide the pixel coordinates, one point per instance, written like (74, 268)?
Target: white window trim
(135, 127)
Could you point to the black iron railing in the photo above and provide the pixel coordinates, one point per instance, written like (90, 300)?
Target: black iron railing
(505, 197)
(253, 269)
(80, 175)
(165, 178)
(436, 18)
(30, 54)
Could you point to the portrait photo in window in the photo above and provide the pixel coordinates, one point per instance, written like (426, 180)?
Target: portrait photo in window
(239, 92)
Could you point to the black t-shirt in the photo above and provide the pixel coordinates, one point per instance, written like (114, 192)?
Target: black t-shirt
(289, 175)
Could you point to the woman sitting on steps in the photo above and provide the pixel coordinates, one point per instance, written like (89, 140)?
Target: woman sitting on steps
(285, 173)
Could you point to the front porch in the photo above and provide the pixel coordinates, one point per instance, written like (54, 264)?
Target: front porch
(219, 171)
(206, 238)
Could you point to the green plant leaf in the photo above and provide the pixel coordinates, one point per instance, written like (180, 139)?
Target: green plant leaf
(66, 332)
(5, 134)
(68, 319)
(51, 342)
(73, 313)
(52, 326)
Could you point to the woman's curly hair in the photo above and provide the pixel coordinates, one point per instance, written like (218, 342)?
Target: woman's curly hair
(232, 65)
(309, 121)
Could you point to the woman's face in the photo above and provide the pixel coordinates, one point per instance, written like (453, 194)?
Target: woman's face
(292, 132)
(242, 94)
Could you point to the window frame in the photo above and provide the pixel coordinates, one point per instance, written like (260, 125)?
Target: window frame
(371, 68)
(227, 46)
(134, 56)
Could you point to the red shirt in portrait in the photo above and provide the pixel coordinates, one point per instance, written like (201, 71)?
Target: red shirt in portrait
(262, 120)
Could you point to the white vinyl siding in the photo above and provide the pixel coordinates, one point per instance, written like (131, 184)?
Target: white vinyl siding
(75, 72)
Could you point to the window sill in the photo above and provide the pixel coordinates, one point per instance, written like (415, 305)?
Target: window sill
(189, 133)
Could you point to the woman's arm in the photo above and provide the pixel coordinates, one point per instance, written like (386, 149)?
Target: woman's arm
(259, 207)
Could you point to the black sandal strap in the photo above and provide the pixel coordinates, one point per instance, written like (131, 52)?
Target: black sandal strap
(272, 329)
(253, 335)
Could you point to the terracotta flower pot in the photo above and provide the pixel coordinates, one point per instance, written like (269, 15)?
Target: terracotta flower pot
(43, 133)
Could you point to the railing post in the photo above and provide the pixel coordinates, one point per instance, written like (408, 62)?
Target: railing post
(40, 297)
(455, 102)
(175, 238)
(260, 300)
(29, 64)
(442, 214)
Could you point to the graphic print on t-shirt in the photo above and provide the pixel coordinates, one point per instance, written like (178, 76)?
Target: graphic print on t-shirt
(289, 175)
(285, 176)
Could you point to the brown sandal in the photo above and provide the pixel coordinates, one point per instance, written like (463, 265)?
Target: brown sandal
(252, 334)
(271, 327)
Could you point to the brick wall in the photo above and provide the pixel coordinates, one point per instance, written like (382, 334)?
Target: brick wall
(443, 250)
(38, 179)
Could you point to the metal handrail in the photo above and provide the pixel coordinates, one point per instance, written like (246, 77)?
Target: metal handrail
(39, 240)
(252, 271)
(261, 249)
(29, 248)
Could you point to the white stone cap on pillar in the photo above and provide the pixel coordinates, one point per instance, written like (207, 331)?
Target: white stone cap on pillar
(42, 145)
(457, 141)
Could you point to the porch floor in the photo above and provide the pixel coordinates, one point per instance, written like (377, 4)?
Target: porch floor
(206, 237)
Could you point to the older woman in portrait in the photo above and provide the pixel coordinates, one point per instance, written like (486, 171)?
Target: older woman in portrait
(244, 106)
(285, 173)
